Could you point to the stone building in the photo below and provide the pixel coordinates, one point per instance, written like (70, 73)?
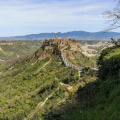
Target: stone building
(60, 42)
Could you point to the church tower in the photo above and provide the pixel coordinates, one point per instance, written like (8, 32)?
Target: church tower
(56, 36)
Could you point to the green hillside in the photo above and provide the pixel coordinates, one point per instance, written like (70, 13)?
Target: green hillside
(81, 60)
(41, 87)
(99, 100)
(24, 86)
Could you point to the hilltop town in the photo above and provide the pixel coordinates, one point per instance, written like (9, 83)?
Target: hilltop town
(60, 43)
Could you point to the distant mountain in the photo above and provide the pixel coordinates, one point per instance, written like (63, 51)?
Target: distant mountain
(78, 35)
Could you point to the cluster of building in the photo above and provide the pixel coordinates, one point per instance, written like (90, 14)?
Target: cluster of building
(60, 42)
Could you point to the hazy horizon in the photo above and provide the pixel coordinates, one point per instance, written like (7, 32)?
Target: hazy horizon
(57, 32)
(23, 17)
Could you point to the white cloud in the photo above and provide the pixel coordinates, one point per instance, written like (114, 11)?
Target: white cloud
(53, 13)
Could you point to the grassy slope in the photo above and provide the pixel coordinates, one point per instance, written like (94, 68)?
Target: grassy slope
(104, 104)
(22, 87)
(82, 60)
(113, 52)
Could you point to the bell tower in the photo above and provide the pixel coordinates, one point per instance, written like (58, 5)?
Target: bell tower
(56, 36)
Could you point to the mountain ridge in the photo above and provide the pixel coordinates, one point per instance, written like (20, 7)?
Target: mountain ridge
(78, 35)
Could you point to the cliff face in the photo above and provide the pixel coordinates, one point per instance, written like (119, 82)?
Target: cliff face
(44, 56)
(74, 46)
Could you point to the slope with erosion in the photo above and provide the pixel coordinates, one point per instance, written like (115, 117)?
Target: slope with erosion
(93, 48)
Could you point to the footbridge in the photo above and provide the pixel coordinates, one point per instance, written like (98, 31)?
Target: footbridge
(69, 64)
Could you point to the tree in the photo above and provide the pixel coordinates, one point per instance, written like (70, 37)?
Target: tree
(113, 17)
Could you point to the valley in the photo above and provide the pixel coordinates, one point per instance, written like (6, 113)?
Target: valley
(16, 49)
(34, 82)
(59, 60)
(56, 81)
(93, 48)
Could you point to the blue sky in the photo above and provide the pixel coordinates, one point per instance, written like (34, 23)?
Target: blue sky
(21, 17)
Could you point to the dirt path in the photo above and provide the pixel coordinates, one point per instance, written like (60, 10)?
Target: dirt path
(44, 65)
(39, 106)
(11, 100)
(66, 85)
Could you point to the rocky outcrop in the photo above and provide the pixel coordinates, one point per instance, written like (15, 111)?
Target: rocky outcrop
(44, 56)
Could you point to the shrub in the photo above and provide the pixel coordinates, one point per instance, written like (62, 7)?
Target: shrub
(109, 62)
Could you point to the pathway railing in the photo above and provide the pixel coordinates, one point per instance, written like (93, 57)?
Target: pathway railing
(67, 63)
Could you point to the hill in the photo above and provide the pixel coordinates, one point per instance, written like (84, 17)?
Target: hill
(24, 85)
(32, 86)
(99, 99)
(78, 58)
(40, 86)
(78, 35)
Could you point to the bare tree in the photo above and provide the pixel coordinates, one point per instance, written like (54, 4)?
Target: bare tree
(113, 17)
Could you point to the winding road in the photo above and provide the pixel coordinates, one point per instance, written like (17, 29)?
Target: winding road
(44, 65)
(39, 106)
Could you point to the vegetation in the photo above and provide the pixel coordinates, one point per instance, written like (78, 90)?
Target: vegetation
(26, 84)
(112, 16)
(14, 49)
(81, 60)
(109, 62)
(33, 88)
(101, 101)
(97, 99)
